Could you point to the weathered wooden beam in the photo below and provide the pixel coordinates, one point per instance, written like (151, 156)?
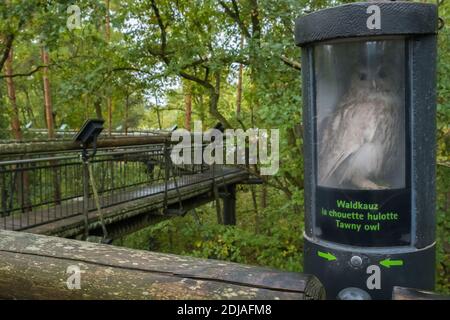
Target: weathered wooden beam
(14, 147)
(11, 148)
(400, 293)
(35, 266)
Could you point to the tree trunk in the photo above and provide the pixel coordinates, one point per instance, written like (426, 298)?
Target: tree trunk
(50, 122)
(158, 115)
(107, 22)
(254, 52)
(109, 105)
(86, 106)
(127, 106)
(255, 207)
(108, 38)
(29, 107)
(239, 85)
(202, 108)
(22, 180)
(187, 104)
(15, 121)
(47, 95)
(263, 196)
(98, 108)
(7, 43)
(214, 101)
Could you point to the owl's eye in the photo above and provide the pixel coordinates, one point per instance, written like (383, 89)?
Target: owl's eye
(363, 76)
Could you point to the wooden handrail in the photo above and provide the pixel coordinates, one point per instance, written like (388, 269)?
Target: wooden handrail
(35, 267)
(11, 148)
(400, 293)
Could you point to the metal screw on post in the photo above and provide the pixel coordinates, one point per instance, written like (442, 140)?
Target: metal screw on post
(356, 261)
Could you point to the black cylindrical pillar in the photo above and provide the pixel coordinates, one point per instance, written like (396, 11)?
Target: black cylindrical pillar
(369, 106)
(229, 205)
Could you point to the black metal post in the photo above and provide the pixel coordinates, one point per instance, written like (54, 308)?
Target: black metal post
(166, 175)
(229, 205)
(85, 160)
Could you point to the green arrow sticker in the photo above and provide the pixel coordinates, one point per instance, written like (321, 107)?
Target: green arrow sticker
(391, 263)
(326, 255)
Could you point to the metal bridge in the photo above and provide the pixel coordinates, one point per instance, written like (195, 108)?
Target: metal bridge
(45, 188)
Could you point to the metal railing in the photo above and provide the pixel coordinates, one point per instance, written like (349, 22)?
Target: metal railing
(40, 188)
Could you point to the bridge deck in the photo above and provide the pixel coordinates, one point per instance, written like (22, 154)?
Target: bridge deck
(121, 203)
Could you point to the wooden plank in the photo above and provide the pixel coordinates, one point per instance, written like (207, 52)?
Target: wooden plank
(400, 293)
(34, 267)
(8, 148)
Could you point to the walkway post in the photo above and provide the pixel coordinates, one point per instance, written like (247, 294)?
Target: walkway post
(87, 136)
(85, 160)
(229, 205)
(369, 112)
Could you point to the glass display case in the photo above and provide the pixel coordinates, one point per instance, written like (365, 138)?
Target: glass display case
(369, 108)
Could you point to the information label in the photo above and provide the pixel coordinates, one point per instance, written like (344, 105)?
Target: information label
(364, 218)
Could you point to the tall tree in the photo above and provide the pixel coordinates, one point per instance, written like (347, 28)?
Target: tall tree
(108, 39)
(127, 111)
(98, 107)
(239, 84)
(187, 88)
(22, 181)
(7, 42)
(49, 116)
(15, 120)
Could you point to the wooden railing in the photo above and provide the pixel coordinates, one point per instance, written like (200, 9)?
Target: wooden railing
(8, 148)
(400, 293)
(41, 267)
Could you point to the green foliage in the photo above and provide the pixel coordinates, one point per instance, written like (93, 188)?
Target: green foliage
(277, 243)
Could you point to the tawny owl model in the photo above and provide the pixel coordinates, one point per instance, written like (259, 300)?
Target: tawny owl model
(360, 141)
